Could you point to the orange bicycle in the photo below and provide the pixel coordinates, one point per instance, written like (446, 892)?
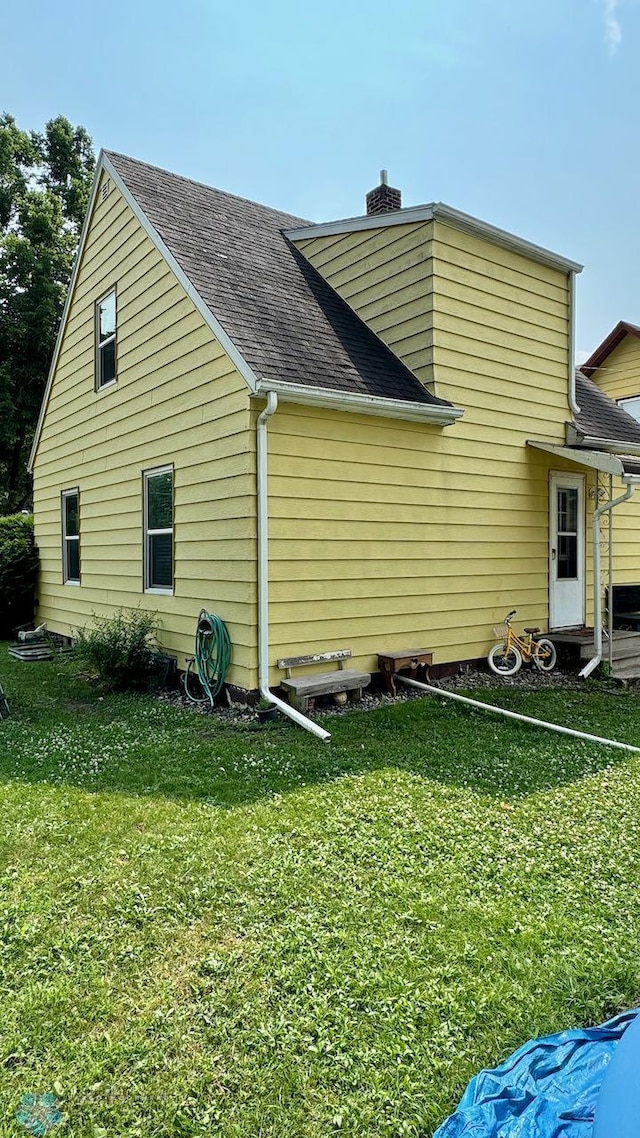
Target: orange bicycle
(506, 658)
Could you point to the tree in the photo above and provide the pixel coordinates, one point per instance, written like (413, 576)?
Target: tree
(45, 182)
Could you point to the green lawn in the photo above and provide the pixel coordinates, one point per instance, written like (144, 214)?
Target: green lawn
(249, 933)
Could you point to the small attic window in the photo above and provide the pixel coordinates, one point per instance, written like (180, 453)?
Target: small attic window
(106, 340)
(104, 192)
(631, 406)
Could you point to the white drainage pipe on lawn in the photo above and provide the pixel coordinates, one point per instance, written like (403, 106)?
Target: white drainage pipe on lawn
(515, 715)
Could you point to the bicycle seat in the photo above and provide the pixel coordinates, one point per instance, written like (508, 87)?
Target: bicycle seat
(532, 631)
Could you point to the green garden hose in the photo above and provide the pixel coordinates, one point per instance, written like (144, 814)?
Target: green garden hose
(212, 658)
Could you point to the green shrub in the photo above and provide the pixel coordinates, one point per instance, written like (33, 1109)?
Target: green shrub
(120, 649)
(18, 572)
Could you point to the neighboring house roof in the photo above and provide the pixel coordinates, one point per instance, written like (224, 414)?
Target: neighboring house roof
(283, 318)
(601, 417)
(622, 329)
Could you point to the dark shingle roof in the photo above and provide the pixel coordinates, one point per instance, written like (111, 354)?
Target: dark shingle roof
(600, 416)
(284, 319)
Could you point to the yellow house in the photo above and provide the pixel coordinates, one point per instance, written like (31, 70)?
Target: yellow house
(409, 374)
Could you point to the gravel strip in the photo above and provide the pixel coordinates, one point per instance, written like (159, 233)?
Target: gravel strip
(469, 679)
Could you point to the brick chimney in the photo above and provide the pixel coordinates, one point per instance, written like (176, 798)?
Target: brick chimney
(384, 199)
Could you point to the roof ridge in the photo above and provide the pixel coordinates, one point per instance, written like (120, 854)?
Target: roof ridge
(111, 154)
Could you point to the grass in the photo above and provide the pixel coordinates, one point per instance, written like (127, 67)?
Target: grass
(206, 931)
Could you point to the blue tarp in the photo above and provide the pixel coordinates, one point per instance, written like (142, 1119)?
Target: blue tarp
(547, 1089)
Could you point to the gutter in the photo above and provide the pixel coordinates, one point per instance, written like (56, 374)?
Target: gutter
(263, 576)
(440, 414)
(611, 446)
(607, 507)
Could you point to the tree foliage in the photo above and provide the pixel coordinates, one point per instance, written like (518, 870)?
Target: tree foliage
(18, 572)
(45, 182)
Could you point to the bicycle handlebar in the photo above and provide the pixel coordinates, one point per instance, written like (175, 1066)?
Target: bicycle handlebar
(510, 614)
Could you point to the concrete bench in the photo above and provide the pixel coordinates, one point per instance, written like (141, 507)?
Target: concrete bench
(300, 689)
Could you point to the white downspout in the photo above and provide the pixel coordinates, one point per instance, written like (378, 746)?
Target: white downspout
(263, 576)
(597, 579)
(573, 401)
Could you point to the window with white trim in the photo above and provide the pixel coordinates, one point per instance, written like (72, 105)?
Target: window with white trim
(71, 537)
(106, 340)
(631, 406)
(158, 530)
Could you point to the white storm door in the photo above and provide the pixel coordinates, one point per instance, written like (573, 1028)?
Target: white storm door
(567, 560)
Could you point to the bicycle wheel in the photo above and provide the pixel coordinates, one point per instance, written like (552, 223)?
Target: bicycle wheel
(503, 662)
(545, 655)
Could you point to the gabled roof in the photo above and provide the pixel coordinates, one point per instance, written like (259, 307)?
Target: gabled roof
(601, 417)
(622, 329)
(281, 316)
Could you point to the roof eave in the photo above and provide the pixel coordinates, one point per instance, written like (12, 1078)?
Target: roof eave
(436, 413)
(449, 216)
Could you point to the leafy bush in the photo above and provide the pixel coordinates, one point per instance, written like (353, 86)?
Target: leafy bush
(18, 572)
(120, 649)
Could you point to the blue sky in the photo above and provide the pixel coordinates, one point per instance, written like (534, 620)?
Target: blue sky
(522, 112)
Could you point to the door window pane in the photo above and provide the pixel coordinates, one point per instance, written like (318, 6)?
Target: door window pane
(567, 557)
(568, 510)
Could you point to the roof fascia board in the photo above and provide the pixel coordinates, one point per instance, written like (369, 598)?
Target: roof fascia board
(449, 216)
(224, 339)
(594, 459)
(65, 313)
(362, 404)
(368, 221)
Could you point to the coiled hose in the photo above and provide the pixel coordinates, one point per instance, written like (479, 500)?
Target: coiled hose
(212, 658)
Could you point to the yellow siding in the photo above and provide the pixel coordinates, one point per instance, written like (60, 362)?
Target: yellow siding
(619, 375)
(619, 378)
(178, 400)
(501, 327)
(386, 275)
(388, 534)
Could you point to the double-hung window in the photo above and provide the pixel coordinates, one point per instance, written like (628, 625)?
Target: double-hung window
(158, 530)
(106, 340)
(71, 537)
